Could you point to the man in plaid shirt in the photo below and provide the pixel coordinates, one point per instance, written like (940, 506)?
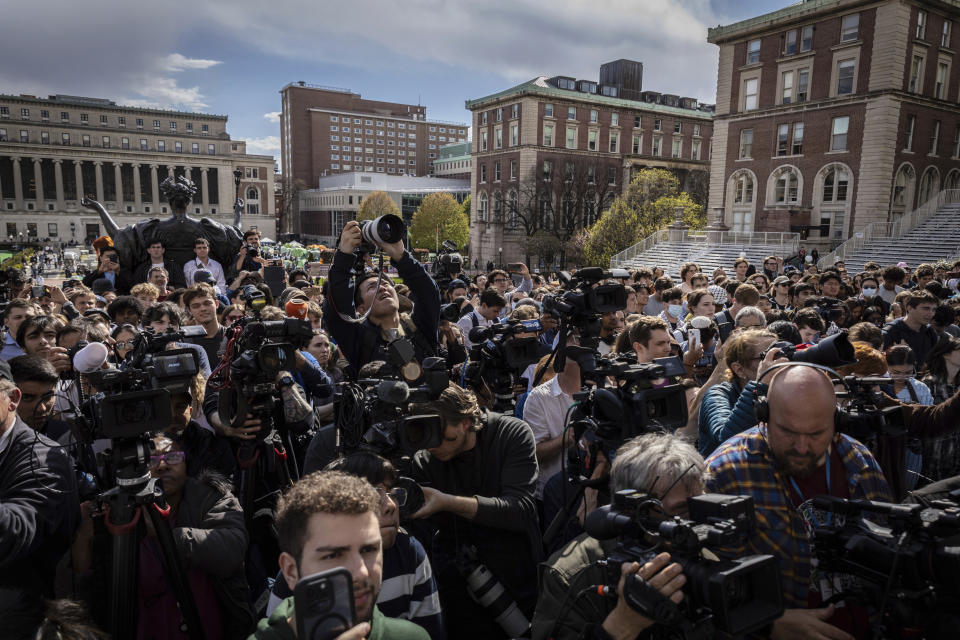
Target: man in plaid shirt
(783, 464)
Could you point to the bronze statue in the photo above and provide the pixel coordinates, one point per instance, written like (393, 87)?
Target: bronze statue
(178, 232)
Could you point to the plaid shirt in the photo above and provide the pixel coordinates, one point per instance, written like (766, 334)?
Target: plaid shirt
(744, 465)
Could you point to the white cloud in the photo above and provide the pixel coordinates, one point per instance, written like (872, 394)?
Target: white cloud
(267, 145)
(165, 93)
(178, 62)
(273, 116)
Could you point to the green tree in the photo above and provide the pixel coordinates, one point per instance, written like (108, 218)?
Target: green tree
(649, 185)
(375, 205)
(616, 230)
(465, 207)
(663, 212)
(439, 216)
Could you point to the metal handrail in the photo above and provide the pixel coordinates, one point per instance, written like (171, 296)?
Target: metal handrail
(891, 229)
(788, 242)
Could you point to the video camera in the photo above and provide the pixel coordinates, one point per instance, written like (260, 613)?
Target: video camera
(864, 417)
(448, 264)
(11, 277)
(831, 309)
(498, 356)
(909, 569)
(731, 597)
(584, 299)
(373, 414)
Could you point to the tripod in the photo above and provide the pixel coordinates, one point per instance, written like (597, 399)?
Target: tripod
(137, 493)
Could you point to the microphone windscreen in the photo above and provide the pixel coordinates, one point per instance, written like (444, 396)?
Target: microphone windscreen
(90, 358)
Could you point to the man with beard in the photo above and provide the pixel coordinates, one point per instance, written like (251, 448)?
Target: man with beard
(328, 520)
(794, 454)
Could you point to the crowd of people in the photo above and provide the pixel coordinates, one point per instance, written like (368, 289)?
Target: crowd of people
(504, 465)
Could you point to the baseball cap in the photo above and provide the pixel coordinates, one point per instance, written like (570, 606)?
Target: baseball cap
(291, 293)
(456, 284)
(102, 286)
(202, 275)
(97, 312)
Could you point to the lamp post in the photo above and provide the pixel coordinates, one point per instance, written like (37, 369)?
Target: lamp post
(238, 203)
(500, 253)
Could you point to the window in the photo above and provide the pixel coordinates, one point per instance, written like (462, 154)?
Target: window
(591, 174)
(173, 126)
(568, 172)
(783, 139)
(483, 141)
(548, 169)
(156, 124)
(3, 135)
(636, 122)
(65, 116)
(24, 135)
(161, 145)
(934, 137)
(614, 142)
(85, 140)
(513, 169)
(943, 72)
(4, 112)
(743, 190)
(803, 82)
(677, 144)
(845, 70)
(695, 150)
(657, 145)
(514, 130)
(611, 175)
(753, 51)
(44, 114)
(838, 137)
(548, 135)
(124, 143)
(790, 42)
(677, 127)
(65, 138)
(746, 143)
(211, 149)
(103, 119)
(85, 118)
(921, 33)
(25, 114)
(499, 116)
(548, 110)
(657, 124)
(178, 147)
(636, 144)
(483, 118)
(614, 119)
(195, 148)
(52, 229)
(482, 207)
(750, 94)
(850, 27)
(916, 74)
(786, 94)
(571, 113)
(497, 138)
(835, 186)
(44, 137)
(945, 34)
(496, 171)
(785, 188)
(483, 173)
(592, 140)
(140, 123)
(806, 38)
(797, 147)
(594, 115)
(956, 142)
(571, 137)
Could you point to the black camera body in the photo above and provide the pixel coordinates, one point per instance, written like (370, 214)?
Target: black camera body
(833, 351)
(733, 597)
(584, 299)
(864, 417)
(448, 264)
(253, 251)
(498, 356)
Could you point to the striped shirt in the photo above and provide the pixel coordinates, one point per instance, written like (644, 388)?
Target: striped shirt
(408, 590)
(744, 465)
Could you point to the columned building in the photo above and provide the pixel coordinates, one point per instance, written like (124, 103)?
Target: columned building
(833, 114)
(550, 155)
(57, 150)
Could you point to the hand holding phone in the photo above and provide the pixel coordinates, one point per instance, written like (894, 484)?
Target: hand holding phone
(693, 338)
(323, 605)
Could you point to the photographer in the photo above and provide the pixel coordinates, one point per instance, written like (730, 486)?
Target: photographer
(651, 463)
(797, 453)
(367, 341)
(480, 482)
(249, 258)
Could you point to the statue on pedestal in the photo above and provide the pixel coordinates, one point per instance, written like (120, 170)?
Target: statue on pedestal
(178, 232)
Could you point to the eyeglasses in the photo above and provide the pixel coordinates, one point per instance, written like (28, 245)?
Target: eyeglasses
(171, 458)
(397, 494)
(123, 344)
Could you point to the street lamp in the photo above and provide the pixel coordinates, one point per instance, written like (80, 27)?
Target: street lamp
(238, 203)
(500, 252)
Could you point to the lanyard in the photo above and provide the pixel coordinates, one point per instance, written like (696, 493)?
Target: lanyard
(802, 499)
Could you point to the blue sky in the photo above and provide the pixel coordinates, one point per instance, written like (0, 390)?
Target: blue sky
(233, 56)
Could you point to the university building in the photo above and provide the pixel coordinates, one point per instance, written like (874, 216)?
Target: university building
(833, 114)
(327, 131)
(55, 150)
(549, 155)
(453, 161)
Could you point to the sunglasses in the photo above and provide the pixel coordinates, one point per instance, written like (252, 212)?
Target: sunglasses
(171, 458)
(123, 344)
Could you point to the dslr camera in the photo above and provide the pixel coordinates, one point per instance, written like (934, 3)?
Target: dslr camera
(448, 264)
(830, 352)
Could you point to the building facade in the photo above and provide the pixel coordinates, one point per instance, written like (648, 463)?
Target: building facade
(550, 155)
(336, 200)
(54, 151)
(453, 161)
(833, 114)
(326, 131)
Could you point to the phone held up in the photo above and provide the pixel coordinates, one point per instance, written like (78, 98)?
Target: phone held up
(323, 604)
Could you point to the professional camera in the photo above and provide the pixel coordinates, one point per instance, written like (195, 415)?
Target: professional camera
(611, 414)
(498, 357)
(584, 299)
(448, 264)
(450, 312)
(732, 597)
(829, 352)
(386, 229)
(252, 250)
(908, 569)
(831, 309)
(863, 416)
(373, 414)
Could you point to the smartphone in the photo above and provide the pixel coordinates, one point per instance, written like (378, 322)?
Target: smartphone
(515, 266)
(323, 603)
(693, 338)
(38, 291)
(726, 328)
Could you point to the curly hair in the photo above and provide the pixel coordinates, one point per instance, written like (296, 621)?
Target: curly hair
(180, 189)
(332, 492)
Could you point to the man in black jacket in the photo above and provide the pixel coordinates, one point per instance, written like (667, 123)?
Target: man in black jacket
(363, 342)
(481, 481)
(155, 258)
(38, 514)
(914, 327)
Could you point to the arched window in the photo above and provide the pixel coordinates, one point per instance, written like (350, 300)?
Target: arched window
(786, 187)
(903, 186)
(482, 208)
(589, 212)
(929, 185)
(743, 189)
(253, 194)
(953, 180)
(835, 184)
(498, 207)
(741, 201)
(832, 195)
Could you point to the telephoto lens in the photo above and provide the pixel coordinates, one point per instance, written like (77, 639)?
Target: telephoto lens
(383, 230)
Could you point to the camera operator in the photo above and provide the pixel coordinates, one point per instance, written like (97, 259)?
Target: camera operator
(367, 341)
(38, 513)
(329, 520)
(492, 303)
(651, 463)
(249, 258)
(796, 454)
(481, 483)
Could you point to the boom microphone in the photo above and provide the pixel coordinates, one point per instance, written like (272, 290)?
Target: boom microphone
(90, 358)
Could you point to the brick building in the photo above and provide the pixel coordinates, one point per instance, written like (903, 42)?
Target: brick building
(453, 161)
(326, 131)
(549, 155)
(55, 150)
(833, 114)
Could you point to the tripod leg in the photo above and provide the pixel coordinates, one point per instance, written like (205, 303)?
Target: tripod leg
(176, 574)
(123, 584)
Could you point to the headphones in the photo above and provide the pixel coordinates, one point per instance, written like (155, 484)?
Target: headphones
(761, 403)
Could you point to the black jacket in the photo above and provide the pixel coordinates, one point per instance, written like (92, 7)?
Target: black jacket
(39, 511)
(175, 273)
(121, 283)
(921, 342)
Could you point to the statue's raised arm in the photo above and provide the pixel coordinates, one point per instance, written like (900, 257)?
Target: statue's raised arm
(105, 218)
